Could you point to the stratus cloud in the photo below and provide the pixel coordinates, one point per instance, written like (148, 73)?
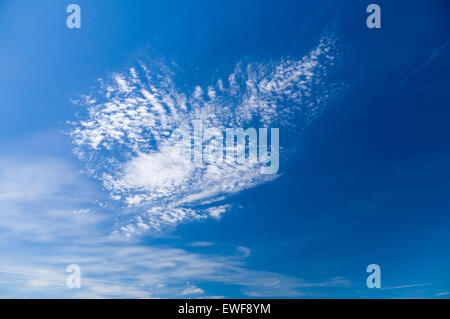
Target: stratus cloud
(124, 137)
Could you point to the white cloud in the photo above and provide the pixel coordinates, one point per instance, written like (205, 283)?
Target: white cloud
(124, 137)
(244, 250)
(43, 198)
(405, 286)
(54, 221)
(198, 92)
(143, 272)
(33, 179)
(192, 290)
(82, 211)
(443, 294)
(201, 244)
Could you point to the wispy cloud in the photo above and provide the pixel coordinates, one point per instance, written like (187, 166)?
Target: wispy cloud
(244, 250)
(192, 290)
(147, 272)
(405, 286)
(124, 137)
(443, 294)
(201, 244)
(44, 198)
(76, 230)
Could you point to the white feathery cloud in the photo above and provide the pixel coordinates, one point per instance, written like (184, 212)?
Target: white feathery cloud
(124, 137)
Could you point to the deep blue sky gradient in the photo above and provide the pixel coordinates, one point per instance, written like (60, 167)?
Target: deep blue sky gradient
(371, 182)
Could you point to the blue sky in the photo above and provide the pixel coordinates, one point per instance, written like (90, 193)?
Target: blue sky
(86, 177)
